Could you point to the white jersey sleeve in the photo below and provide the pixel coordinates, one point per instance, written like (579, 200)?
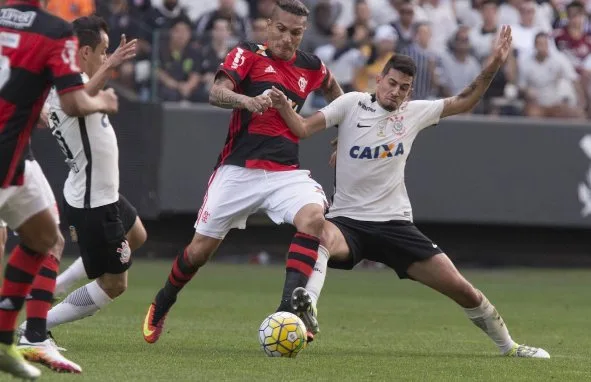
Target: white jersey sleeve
(335, 112)
(427, 113)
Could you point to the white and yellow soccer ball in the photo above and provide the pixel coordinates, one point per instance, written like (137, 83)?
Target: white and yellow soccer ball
(282, 334)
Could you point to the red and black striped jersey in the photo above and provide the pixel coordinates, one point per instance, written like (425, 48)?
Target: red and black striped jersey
(264, 141)
(37, 50)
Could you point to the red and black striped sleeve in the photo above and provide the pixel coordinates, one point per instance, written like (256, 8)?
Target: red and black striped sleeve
(63, 63)
(238, 63)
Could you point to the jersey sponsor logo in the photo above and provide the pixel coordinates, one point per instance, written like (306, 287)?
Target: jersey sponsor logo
(302, 83)
(377, 152)
(238, 58)
(13, 18)
(365, 107)
(69, 54)
(10, 40)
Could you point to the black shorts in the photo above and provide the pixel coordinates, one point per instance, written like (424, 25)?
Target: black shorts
(101, 235)
(395, 243)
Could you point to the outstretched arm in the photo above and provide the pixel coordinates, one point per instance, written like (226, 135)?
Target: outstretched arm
(299, 126)
(469, 97)
(124, 52)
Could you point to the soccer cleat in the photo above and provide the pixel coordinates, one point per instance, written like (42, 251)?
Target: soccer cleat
(47, 353)
(304, 308)
(152, 331)
(12, 362)
(523, 351)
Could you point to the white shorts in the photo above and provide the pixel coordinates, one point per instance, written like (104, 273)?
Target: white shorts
(19, 203)
(234, 193)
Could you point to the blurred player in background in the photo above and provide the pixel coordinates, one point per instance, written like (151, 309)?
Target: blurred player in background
(371, 215)
(258, 168)
(103, 223)
(37, 49)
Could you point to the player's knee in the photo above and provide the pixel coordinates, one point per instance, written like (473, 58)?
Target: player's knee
(465, 294)
(312, 222)
(58, 248)
(113, 286)
(44, 242)
(199, 253)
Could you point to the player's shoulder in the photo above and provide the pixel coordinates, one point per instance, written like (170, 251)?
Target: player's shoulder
(251, 46)
(307, 60)
(417, 105)
(30, 19)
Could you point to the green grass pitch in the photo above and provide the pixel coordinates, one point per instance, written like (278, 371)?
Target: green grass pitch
(373, 328)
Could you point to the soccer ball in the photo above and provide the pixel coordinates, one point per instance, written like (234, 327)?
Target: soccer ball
(282, 334)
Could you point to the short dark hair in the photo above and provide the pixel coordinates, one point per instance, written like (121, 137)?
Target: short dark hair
(295, 7)
(88, 30)
(540, 34)
(402, 63)
(489, 2)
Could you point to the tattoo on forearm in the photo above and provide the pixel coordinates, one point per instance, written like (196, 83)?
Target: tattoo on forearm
(480, 84)
(224, 98)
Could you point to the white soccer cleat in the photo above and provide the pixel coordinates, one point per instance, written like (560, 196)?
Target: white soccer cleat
(523, 351)
(47, 353)
(12, 362)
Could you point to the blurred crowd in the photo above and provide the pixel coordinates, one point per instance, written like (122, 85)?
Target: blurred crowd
(184, 41)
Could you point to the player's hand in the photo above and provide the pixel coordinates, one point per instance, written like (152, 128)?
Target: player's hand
(125, 51)
(258, 104)
(110, 99)
(502, 45)
(332, 162)
(278, 98)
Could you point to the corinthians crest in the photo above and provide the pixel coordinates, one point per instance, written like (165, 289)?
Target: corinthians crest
(397, 125)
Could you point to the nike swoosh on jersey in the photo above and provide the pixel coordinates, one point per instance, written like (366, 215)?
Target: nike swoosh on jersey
(362, 126)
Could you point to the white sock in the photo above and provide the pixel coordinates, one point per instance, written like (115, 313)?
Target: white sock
(488, 319)
(316, 280)
(69, 277)
(83, 302)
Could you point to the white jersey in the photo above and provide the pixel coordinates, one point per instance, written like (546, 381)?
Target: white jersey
(91, 151)
(373, 147)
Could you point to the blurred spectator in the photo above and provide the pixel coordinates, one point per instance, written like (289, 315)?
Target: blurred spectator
(70, 10)
(178, 72)
(383, 47)
(163, 16)
(404, 24)
(482, 36)
(261, 8)
(443, 23)
(342, 58)
(226, 10)
(458, 66)
(362, 29)
(510, 13)
(525, 31)
(572, 39)
(424, 80)
(549, 82)
(211, 56)
(258, 30)
(124, 20)
(469, 12)
(323, 16)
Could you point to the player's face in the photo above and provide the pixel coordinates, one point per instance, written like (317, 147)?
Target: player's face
(284, 33)
(393, 89)
(95, 58)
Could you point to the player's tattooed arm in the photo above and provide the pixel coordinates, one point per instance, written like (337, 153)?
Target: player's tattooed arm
(222, 94)
(331, 89)
(470, 96)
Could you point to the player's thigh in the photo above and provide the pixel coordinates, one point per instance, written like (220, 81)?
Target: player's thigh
(101, 236)
(346, 242)
(400, 244)
(289, 192)
(233, 194)
(134, 228)
(46, 190)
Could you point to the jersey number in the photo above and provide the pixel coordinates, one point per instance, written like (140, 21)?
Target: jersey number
(54, 122)
(10, 40)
